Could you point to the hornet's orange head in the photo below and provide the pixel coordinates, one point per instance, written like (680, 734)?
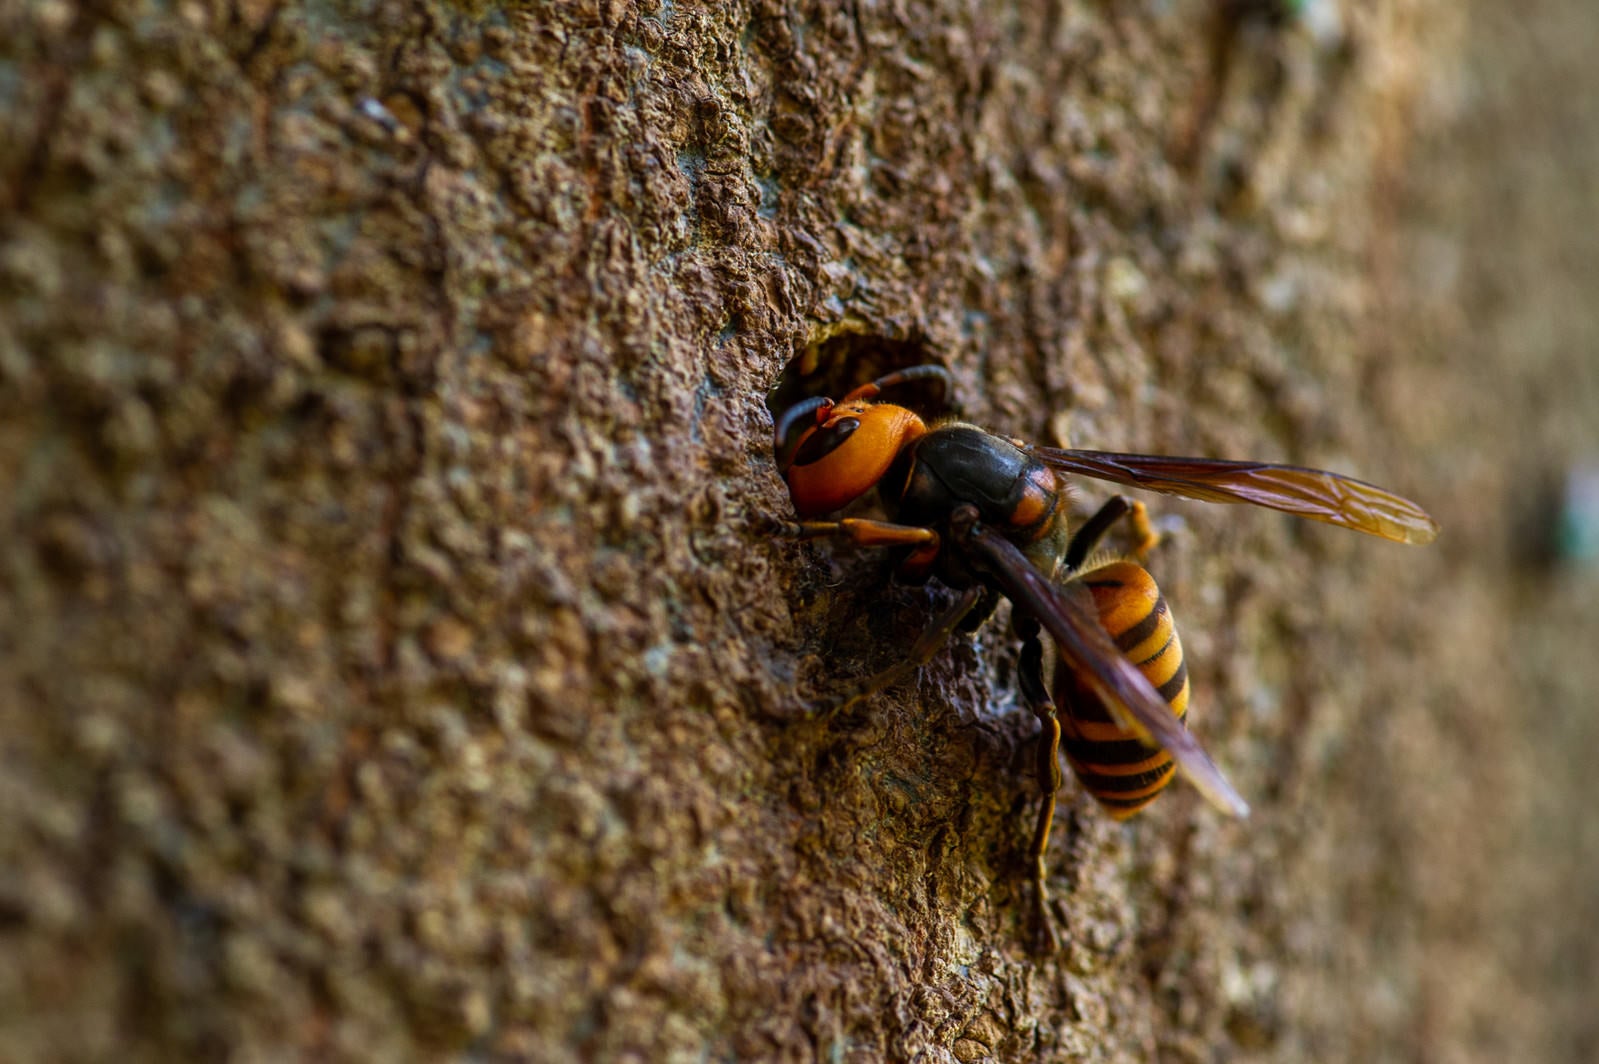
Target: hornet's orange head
(832, 454)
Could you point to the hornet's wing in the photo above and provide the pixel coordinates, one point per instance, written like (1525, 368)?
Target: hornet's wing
(1312, 493)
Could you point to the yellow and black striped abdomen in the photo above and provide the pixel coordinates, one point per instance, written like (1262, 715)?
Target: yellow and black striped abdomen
(1113, 763)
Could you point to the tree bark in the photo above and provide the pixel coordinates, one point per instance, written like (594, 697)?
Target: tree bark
(396, 660)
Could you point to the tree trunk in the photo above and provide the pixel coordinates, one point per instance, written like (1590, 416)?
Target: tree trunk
(396, 659)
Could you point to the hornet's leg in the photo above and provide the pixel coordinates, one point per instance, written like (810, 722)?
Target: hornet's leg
(986, 605)
(1116, 507)
(1031, 678)
(862, 533)
(921, 652)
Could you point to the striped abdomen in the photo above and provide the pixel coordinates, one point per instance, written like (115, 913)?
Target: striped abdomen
(1112, 763)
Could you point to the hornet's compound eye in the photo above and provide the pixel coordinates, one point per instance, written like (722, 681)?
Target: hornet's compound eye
(825, 440)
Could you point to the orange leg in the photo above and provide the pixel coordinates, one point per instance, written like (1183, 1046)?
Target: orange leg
(1145, 538)
(862, 533)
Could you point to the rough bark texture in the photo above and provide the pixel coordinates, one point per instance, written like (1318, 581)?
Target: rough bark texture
(393, 660)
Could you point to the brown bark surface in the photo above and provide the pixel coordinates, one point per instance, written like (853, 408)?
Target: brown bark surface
(394, 659)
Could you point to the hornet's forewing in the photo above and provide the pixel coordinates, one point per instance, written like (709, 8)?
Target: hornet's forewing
(1312, 493)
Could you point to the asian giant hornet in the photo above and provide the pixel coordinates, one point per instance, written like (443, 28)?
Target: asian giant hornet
(987, 515)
